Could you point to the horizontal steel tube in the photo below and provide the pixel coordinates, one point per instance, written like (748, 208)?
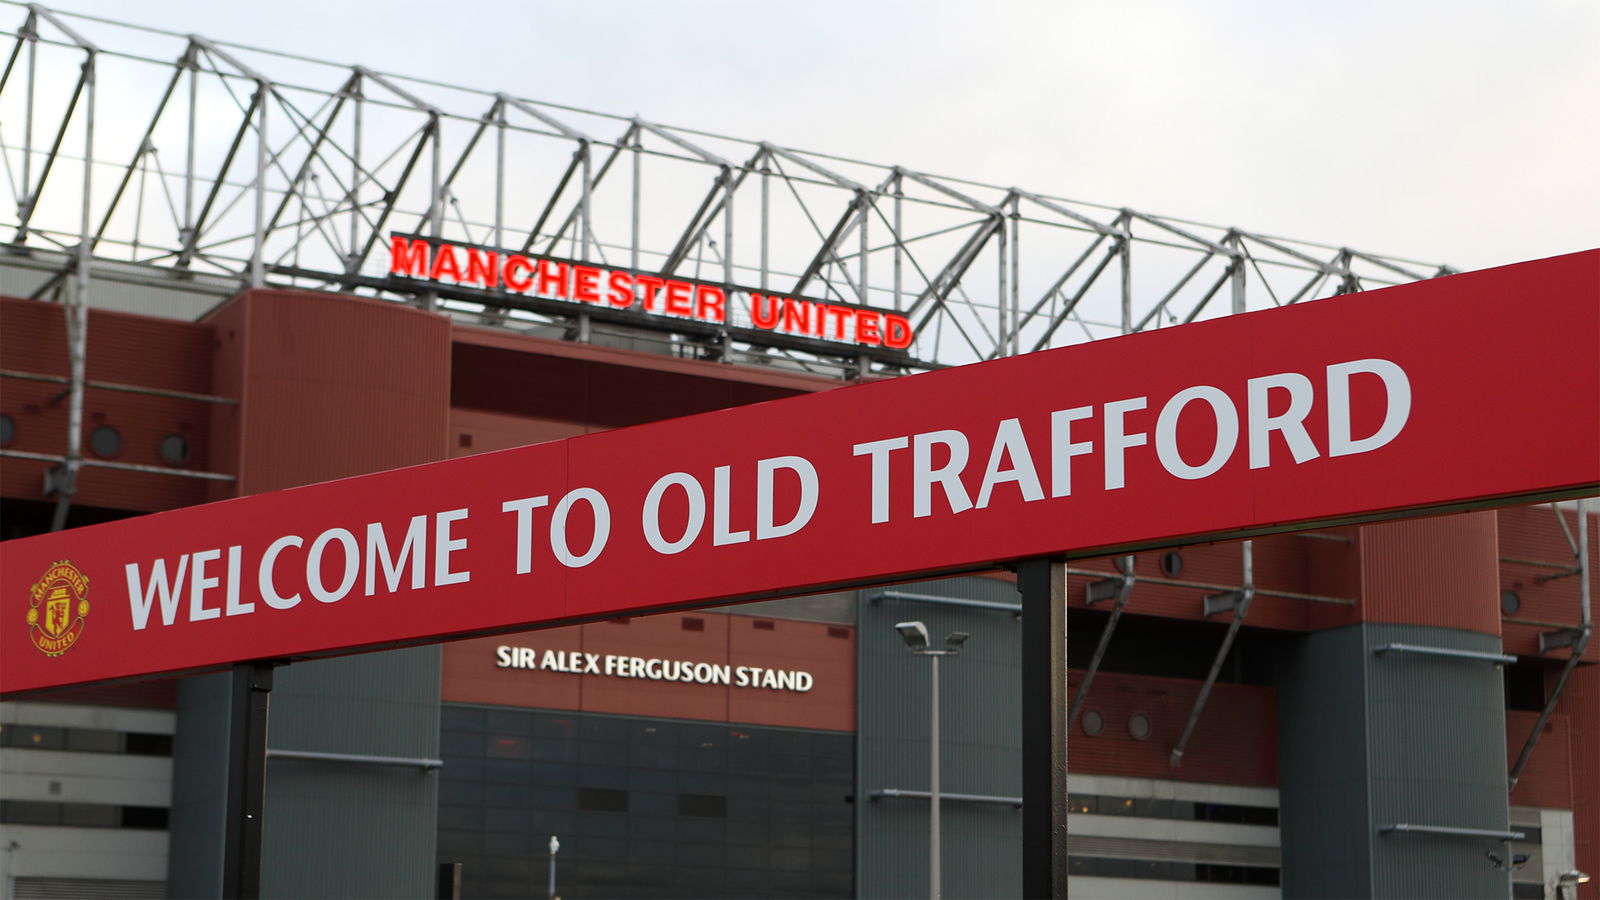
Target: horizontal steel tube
(1496, 658)
(1448, 829)
(1202, 586)
(127, 467)
(1013, 608)
(893, 793)
(359, 758)
(113, 386)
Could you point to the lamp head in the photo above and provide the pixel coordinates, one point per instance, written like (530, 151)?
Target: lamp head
(915, 634)
(956, 639)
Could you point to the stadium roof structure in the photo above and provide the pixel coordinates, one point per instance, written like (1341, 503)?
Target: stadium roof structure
(204, 159)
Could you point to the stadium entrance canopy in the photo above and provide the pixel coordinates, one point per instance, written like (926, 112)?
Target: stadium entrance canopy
(1389, 403)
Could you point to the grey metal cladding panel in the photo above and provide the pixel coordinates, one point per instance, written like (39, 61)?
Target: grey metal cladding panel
(345, 829)
(199, 787)
(981, 730)
(1323, 816)
(1437, 757)
(384, 703)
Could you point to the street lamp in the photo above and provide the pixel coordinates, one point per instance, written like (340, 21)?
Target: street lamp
(554, 846)
(915, 634)
(1567, 883)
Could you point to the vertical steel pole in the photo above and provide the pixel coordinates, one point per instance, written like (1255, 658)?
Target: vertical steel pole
(247, 779)
(356, 174)
(1043, 583)
(500, 176)
(188, 171)
(1016, 277)
(258, 252)
(1127, 275)
(587, 157)
(727, 227)
(935, 888)
(30, 31)
(899, 247)
(1002, 334)
(866, 248)
(76, 314)
(1239, 274)
(638, 155)
(766, 211)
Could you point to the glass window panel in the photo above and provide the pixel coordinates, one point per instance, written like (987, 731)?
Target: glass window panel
(506, 746)
(459, 817)
(497, 843)
(154, 817)
(91, 815)
(602, 799)
(94, 740)
(508, 721)
(139, 743)
(714, 806)
(36, 737)
(30, 812)
(506, 821)
(463, 793)
(461, 718)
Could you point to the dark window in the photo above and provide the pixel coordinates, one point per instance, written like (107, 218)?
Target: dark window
(35, 737)
(92, 740)
(835, 632)
(602, 800)
(763, 625)
(29, 812)
(711, 806)
(1091, 804)
(694, 623)
(139, 743)
(90, 815)
(1164, 870)
(1523, 890)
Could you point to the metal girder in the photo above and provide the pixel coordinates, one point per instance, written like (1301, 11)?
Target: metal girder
(963, 313)
(1120, 588)
(1578, 639)
(1238, 602)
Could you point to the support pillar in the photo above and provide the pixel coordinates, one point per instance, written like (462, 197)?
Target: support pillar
(1043, 583)
(247, 779)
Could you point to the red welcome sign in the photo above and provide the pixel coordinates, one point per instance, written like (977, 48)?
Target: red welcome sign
(1403, 399)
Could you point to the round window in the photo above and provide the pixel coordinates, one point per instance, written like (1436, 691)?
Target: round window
(1093, 722)
(1172, 564)
(174, 450)
(1139, 726)
(105, 441)
(1510, 602)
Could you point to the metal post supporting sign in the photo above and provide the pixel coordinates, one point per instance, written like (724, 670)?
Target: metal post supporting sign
(1043, 583)
(247, 779)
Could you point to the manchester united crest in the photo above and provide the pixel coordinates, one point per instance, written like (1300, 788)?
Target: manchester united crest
(60, 603)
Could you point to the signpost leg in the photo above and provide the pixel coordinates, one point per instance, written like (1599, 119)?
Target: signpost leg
(1043, 583)
(247, 779)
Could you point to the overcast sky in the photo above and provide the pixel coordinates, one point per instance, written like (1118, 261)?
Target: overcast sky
(1464, 132)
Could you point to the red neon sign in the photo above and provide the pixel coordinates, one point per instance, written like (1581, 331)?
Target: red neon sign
(577, 282)
(1402, 400)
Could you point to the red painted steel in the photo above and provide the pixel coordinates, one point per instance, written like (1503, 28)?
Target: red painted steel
(1236, 741)
(329, 387)
(1439, 570)
(1476, 369)
(123, 349)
